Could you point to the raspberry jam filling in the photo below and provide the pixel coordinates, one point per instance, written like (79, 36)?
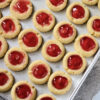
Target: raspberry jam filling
(0, 45)
(16, 57)
(8, 25)
(2, 1)
(60, 82)
(75, 62)
(30, 39)
(21, 6)
(96, 24)
(39, 71)
(78, 12)
(65, 31)
(3, 78)
(23, 91)
(43, 18)
(87, 43)
(56, 2)
(46, 98)
(53, 50)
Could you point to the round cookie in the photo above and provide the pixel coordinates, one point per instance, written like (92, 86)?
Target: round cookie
(9, 27)
(46, 97)
(77, 13)
(16, 59)
(93, 26)
(23, 90)
(29, 40)
(86, 45)
(6, 80)
(39, 72)
(21, 9)
(64, 32)
(59, 82)
(43, 20)
(56, 5)
(53, 50)
(3, 46)
(4, 3)
(74, 63)
(90, 2)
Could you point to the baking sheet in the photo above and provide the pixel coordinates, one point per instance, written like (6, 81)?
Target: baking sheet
(22, 75)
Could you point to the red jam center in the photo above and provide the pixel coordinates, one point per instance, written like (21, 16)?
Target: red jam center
(39, 71)
(0, 45)
(23, 91)
(22, 6)
(56, 2)
(30, 39)
(60, 82)
(16, 57)
(75, 62)
(96, 24)
(43, 18)
(3, 79)
(53, 50)
(65, 31)
(78, 12)
(8, 25)
(46, 98)
(87, 43)
(2, 1)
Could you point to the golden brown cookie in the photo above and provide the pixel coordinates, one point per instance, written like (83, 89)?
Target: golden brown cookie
(90, 2)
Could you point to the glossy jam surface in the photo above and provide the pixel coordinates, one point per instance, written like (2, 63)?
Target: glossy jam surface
(53, 50)
(16, 57)
(2, 1)
(60, 82)
(8, 25)
(21, 6)
(87, 43)
(65, 31)
(0, 45)
(3, 78)
(43, 18)
(75, 62)
(78, 12)
(23, 91)
(30, 39)
(39, 71)
(46, 98)
(96, 24)
(56, 2)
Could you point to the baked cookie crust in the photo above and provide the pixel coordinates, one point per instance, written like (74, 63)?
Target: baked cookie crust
(74, 71)
(10, 34)
(50, 58)
(90, 28)
(23, 15)
(90, 2)
(38, 80)
(17, 67)
(99, 4)
(45, 95)
(25, 47)
(9, 83)
(30, 97)
(4, 46)
(60, 38)
(44, 28)
(79, 20)
(79, 49)
(56, 8)
(5, 3)
(59, 91)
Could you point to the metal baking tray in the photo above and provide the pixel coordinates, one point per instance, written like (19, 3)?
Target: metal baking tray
(60, 16)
